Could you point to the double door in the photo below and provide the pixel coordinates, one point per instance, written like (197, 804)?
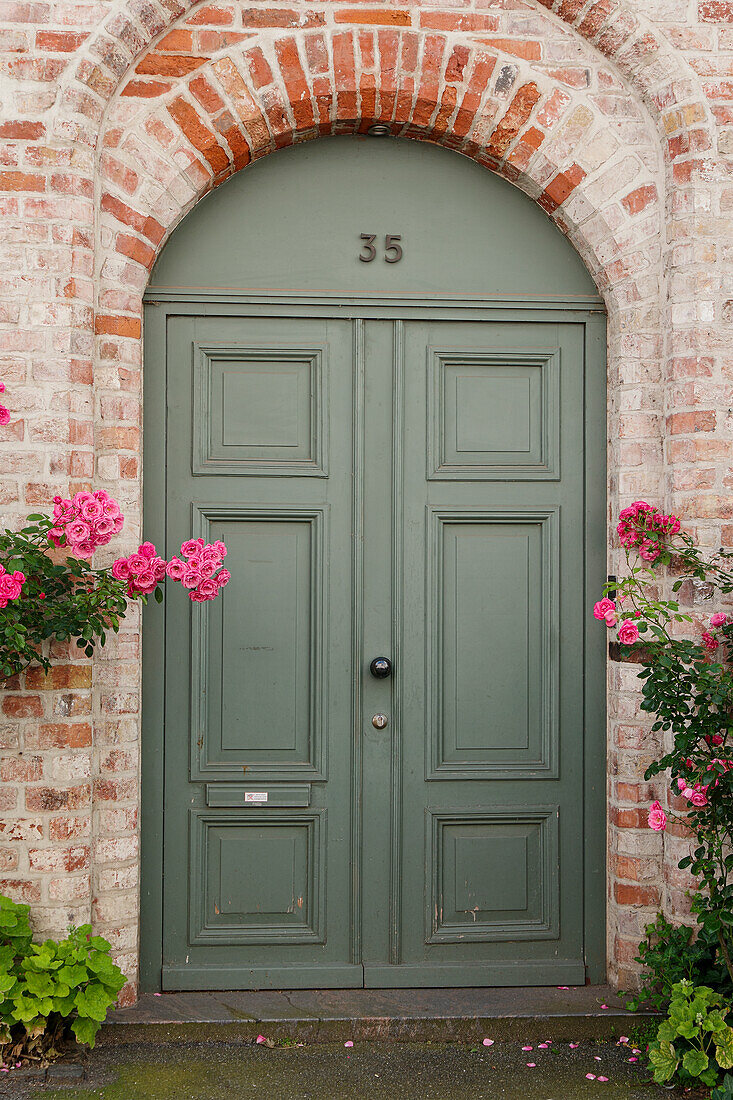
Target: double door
(412, 489)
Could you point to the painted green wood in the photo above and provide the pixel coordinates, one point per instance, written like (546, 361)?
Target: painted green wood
(293, 220)
(491, 620)
(247, 889)
(404, 478)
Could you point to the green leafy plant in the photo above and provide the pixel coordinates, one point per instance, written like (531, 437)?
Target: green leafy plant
(669, 954)
(688, 687)
(695, 1042)
(48, 987)
(723, 1091)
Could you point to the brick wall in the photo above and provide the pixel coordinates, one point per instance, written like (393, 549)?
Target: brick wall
(116, 117)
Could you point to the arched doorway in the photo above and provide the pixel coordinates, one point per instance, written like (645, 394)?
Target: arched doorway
(390, 406)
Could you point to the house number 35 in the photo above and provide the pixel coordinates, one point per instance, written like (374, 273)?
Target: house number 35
(392, 248)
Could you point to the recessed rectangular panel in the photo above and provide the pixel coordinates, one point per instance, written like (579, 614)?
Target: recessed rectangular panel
(258, 667)
(259, 410)
(492, 681)
(492, 875)
(493, 415)
(257, 879)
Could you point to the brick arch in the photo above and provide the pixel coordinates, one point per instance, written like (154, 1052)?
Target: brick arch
(659, 74)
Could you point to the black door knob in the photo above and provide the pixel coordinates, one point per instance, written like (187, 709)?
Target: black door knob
(381, 667)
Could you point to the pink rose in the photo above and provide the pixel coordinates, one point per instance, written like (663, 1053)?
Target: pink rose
(191, 578)
(207, 568)
(649, 550)
(18, 576)
(119, 523)
(176, 569)
(104, 529)
(611, 618)
(121, 569)
(63, 509)
(158, 565)
(137, 563)
(91, 510)
(628, 632)
(147, 550)
(223, 578)
(709, 641)
(77, 531)
(4, 415)
(220, 548)
(191, 546)
(145, 580)
(56, 535)
(718, 619)
(697, 796)
(602, 608)
(110, 507)
(657, 818)
(207, 589)
(83, 550)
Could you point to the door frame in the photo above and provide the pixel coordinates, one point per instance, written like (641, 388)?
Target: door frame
(587, 311)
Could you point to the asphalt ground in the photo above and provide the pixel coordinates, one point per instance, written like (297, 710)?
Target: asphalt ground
(330, 1071)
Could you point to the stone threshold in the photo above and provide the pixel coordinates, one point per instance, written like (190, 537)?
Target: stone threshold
(408, 1015)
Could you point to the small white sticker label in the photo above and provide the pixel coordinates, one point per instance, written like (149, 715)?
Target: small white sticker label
(255, 796)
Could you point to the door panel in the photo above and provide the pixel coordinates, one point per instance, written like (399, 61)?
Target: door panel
(391, 487)
(248, 886)
(486, 830)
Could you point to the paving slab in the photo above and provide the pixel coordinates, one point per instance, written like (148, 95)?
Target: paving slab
(378, 1071)
(418, 1015)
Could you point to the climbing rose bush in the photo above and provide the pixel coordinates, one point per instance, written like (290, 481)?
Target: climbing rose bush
(46, 595)
(688, 686)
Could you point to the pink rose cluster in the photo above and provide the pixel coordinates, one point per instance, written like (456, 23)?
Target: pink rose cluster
(657, 818)
(645, 527)
(709, 639)
(142, 570)
(199, 569)
(87, 521)
(606, 610)
(4, 414)
(11, 585)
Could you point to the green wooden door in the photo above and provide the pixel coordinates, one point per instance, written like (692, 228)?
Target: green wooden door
(402, 487)
(405, 460)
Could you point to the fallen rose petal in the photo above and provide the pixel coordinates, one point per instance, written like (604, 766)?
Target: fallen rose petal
(601, 1078)
(349, 1043)
(597, 1057)
(574, 1045)
(633, 1059)
(527, 1048)
(635, 1051)
(488, 1042)
(590, 1076)
(623, 1038)
(261, 1039)
(157, 994)
(604, 1006)
(531, 1064)
(542, 1046)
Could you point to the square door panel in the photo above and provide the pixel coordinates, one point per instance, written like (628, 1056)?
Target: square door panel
(257, 877)
(492, 875)
(493, 415)
(259, 410)
(258, 649)
(492, 681)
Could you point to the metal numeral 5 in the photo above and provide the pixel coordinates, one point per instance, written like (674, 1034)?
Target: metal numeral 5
(392, 248)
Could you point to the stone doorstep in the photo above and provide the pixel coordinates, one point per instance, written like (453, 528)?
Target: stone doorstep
(407, 1015)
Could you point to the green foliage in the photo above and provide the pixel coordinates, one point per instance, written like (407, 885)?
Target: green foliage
(688, 687)
(695, 1042)
(60, 601)
(668, 955)
(44, 987)
(723, 1091)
